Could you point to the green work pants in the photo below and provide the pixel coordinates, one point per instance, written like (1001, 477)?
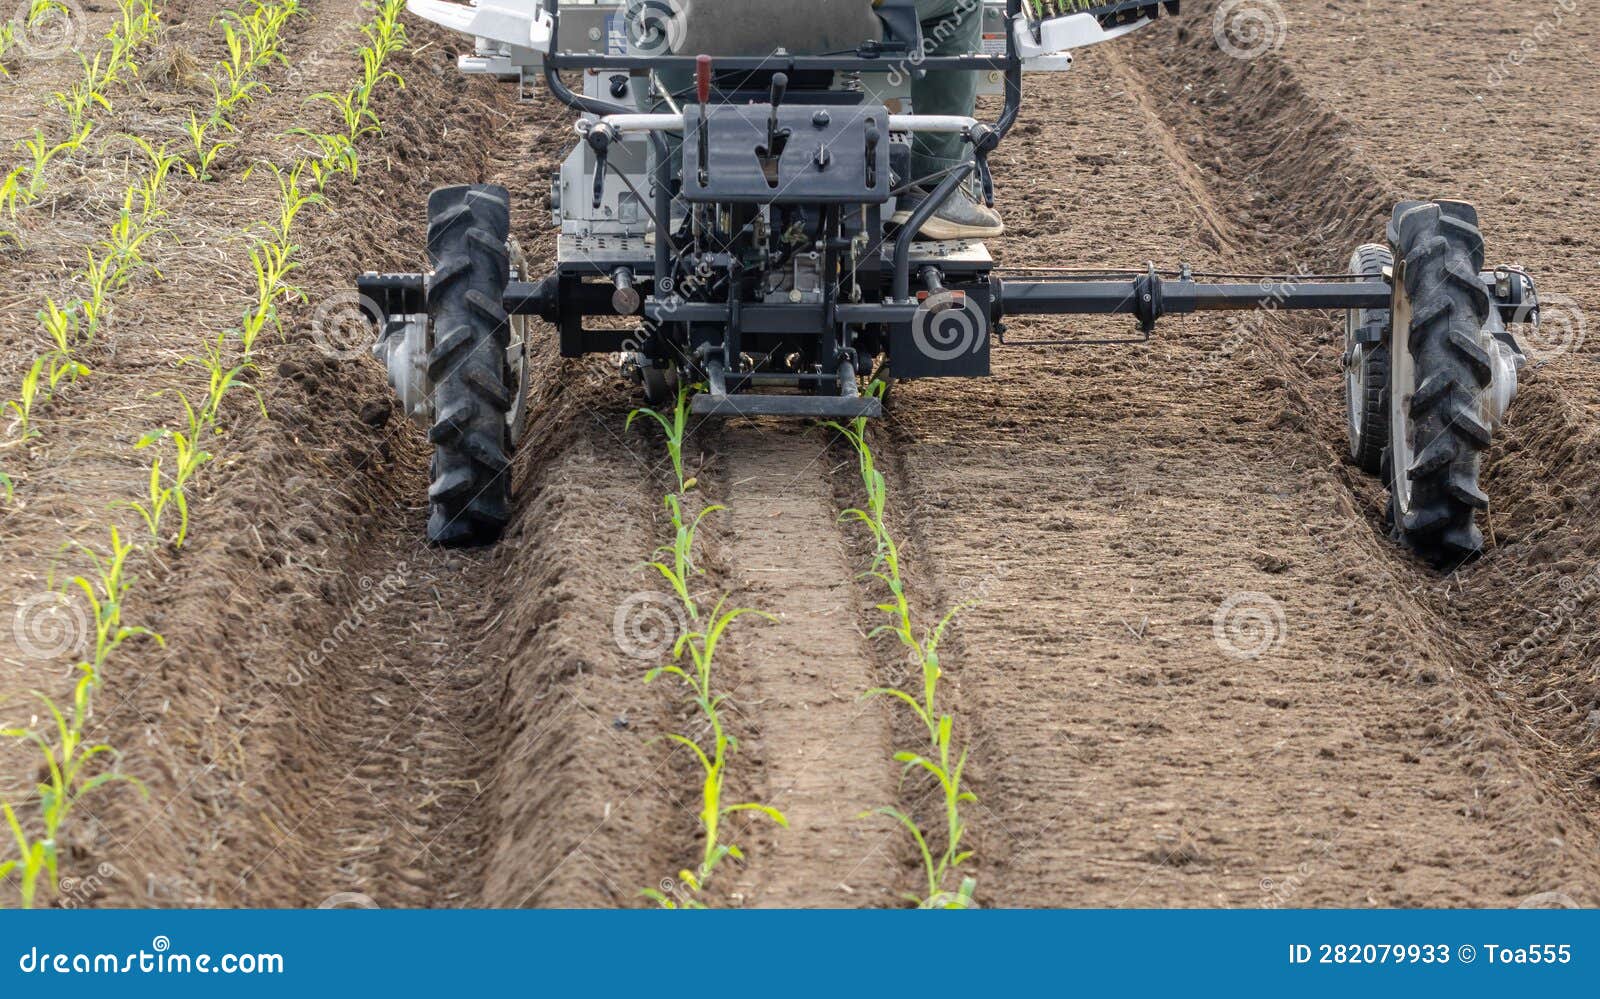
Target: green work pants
(949, 27)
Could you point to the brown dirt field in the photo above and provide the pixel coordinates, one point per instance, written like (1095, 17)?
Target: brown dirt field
(1195, 671)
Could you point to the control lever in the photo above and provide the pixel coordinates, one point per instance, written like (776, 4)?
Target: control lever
(780, 89)
(600, 138)
(702, 85)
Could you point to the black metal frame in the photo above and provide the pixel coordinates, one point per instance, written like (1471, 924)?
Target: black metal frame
(566, 298)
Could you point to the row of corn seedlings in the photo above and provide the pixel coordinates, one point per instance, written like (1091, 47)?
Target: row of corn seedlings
(73, 764)
(66, 751)
(228, 359)
(27, 183)
(693, 667)
(941, 760)
(253, 42)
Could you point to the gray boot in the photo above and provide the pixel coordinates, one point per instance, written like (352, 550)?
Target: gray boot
(960, 217)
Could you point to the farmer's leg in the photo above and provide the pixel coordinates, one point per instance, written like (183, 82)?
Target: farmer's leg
(949, 27)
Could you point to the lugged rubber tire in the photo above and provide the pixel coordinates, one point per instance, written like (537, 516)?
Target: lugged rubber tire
(1443, 252)
(468, 232)
(1368, 400)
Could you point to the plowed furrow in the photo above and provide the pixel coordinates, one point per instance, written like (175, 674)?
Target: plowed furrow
(825, 754)
(1191, 687)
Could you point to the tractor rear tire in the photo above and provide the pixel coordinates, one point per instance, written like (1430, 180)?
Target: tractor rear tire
(1366, 367)
(1440, 375)
(473, 393)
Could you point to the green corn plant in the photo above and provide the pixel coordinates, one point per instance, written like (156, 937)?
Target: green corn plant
(159, 496)
(204, 152)
(373, 73)
(68, 779)
(260, 31)
(273, 265)
(223, 377)
(12, 191)
(231, 87)
(701, 648)
(103, 279)
(693, 664)
(83, 96)
(681, 569)
(154, 178)
(292, 200)
(61, 325)
(34, 381)
(137, 24)
(67, 759)
(675, 426)
(43, 152)
(357, 118)
(8, 491)
(189, 457)
(123, 242)
(44, 376)
(106, 592)
(336, 154)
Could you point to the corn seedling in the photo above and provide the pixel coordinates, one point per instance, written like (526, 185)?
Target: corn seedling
(106, 592)
(189, 456)
(137, 25)
(292, 200)
(103, 278)
(123, 242)
(223, 378)
(675, 427)
(205, 152)
(87, 92)
(943, 762)
(336, 154)
(154, 178)
(701, 647)
(8, 489)
(33, 380)
(260, 31)
(44, 376)
(273, 264)
(681, 569)
(158, 498)
(12, 191)
(358, 119)
(68, 778)
(42, 152)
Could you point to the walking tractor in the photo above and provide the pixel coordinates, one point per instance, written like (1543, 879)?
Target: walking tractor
(740, 212)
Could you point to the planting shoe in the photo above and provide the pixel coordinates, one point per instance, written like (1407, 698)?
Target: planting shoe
(959, 217)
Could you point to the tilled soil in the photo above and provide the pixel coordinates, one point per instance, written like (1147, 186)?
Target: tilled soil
(1192, 668)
